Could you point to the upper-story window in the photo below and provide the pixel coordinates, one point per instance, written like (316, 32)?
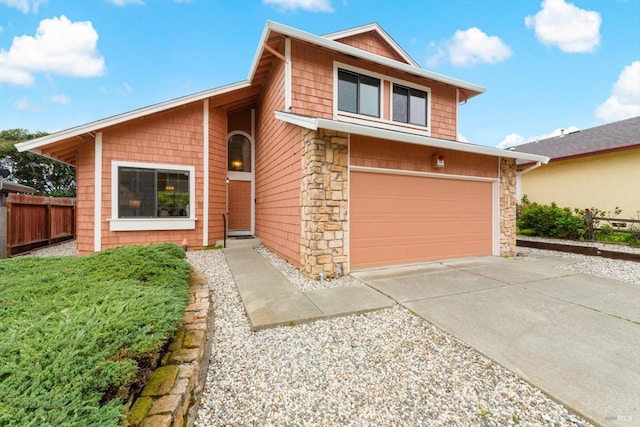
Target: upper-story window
(358, 94)
(410, 105)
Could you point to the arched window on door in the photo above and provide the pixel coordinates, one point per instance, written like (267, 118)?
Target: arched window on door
(239, 154)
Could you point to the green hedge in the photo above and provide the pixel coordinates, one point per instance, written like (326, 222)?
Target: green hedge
(551, 221)
(73, 328)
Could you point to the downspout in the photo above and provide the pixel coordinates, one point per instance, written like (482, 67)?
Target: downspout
(518, 179)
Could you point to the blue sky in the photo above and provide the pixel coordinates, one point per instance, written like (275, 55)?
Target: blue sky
(547, 65)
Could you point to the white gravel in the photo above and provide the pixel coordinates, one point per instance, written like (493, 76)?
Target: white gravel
(626, 271)
(388, 367)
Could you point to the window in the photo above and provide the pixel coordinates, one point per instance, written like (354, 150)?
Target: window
(358, 94)
(409, 105)
(153, 193)
(239, 154)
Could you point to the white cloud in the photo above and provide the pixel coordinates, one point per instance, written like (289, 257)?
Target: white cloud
(469, 47)
(514, 139)
(23, 104)
(59, 46)
(308, 5)
(127, 87)
(60, 99)
(624, 101)
(462, 138)
(563, 24)
(25, 6)
(124, 2)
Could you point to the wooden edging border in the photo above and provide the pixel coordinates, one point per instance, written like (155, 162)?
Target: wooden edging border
(578, 249)
(172, 394)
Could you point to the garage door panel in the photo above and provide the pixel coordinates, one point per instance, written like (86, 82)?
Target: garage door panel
(399, 219)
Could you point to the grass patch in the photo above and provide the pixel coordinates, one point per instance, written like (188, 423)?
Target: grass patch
(73, 329)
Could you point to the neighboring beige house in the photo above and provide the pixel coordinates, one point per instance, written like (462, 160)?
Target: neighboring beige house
(594, 168)
(339, 152)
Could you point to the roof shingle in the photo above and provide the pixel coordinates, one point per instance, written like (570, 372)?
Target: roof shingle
(609, 137)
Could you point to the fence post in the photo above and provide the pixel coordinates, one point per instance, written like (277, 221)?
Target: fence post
(3, 232)
(589, 219)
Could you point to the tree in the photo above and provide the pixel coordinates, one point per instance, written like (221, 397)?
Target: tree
(48, 177)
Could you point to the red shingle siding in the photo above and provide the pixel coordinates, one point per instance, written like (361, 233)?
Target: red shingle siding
(217, 173)
(85, 197)
(278, 174)
(379, 153)
(312, 87)
(372, 42)
(443, 112)
(174, 137)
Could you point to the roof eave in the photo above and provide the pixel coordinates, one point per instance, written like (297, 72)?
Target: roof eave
(362, 54)
(315, 123)
(95, 126)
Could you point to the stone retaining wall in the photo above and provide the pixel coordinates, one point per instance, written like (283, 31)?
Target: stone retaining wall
(171, 395)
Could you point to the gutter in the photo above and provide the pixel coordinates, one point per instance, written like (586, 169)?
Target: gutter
(315, 123)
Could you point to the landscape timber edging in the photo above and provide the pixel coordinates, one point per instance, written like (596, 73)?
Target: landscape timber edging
(172, 394)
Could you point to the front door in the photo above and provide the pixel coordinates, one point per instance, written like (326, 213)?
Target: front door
(240, 189)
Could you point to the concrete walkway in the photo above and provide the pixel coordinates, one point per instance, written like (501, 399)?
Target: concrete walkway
(271, 300)
(574, 336)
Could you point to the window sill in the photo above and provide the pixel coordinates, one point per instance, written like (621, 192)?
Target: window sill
(381, 123)
(150, 224)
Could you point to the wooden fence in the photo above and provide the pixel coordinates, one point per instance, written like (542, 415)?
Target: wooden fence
(615, 224)
(31, 222)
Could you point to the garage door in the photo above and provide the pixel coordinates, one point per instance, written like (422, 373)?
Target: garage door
(399, 219)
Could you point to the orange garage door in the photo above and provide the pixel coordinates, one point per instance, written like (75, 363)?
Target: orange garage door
(398, 219)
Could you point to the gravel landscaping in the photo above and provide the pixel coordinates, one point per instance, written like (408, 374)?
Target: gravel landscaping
(388, 367)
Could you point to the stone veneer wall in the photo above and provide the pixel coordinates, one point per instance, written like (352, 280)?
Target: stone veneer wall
(323, 199)
(508, 207)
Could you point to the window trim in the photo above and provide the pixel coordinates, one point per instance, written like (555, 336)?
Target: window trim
(146, 224)
(385, 100)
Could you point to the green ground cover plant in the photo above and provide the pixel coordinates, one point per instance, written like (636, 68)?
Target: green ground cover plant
(75, 330)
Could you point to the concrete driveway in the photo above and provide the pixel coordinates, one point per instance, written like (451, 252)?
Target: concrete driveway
(574, 336)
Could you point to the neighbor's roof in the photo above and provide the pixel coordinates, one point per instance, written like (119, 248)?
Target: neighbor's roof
(315, 123)
(272, 32)
(621, 135)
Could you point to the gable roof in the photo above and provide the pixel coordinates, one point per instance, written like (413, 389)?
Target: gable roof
(373, 27)
(621, 135)
(273, 31)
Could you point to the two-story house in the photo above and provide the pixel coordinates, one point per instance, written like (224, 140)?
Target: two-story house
(339, 152)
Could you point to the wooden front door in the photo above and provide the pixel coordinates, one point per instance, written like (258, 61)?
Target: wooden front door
(239, 206)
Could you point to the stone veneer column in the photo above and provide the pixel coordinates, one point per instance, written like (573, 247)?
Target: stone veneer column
(324, 203)
(508, 207)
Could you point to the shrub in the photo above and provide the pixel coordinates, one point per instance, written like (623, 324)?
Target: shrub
(551, 221)
(73, 329)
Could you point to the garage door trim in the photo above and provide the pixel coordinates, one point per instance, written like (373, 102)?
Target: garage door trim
(422, 174)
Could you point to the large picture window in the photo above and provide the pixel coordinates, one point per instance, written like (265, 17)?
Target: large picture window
(153, 193)
(410, 105)
(358, 94)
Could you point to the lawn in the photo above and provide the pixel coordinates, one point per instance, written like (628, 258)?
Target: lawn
(75, 332)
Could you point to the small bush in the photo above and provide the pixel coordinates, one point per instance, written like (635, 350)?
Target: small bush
(551, 221)
(72, 330)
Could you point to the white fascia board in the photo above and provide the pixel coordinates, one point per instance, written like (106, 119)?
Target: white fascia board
(381, 32)
(34, 144)
(362, 54)
(315, 123)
